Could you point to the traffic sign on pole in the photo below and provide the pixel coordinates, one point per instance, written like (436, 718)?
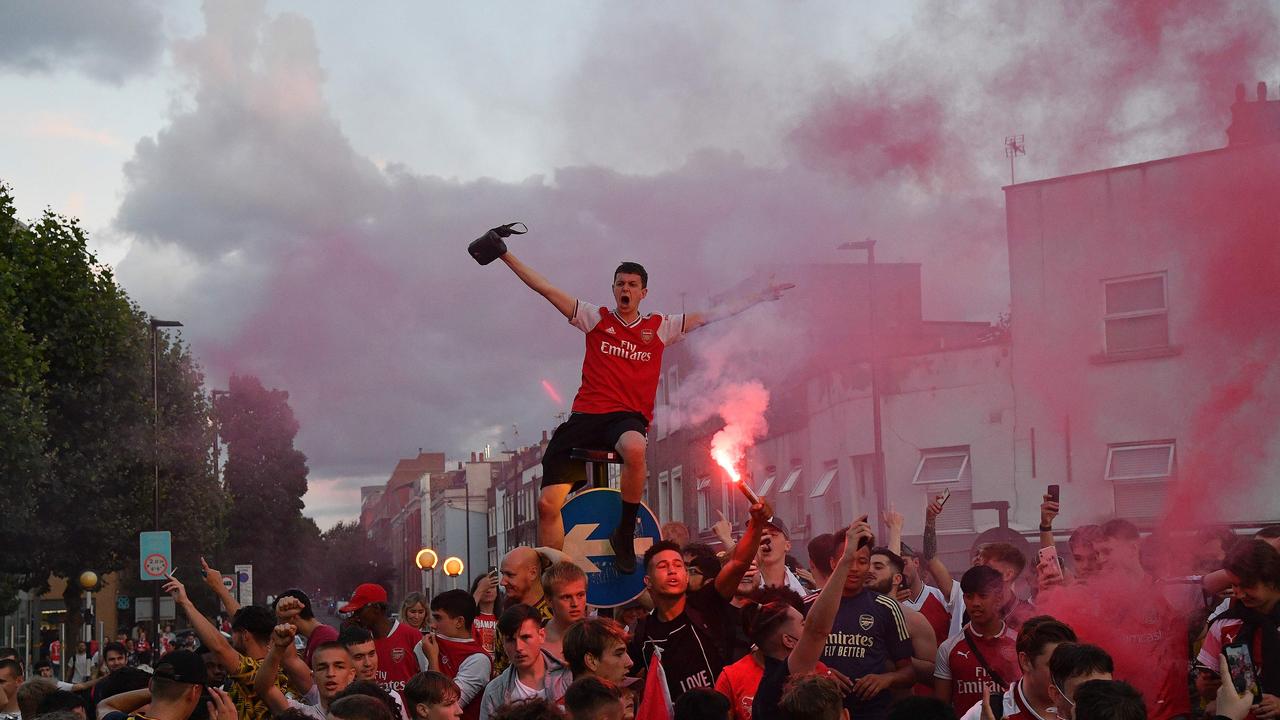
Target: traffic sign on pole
(244, 579)
(155, 555)
(589, 519)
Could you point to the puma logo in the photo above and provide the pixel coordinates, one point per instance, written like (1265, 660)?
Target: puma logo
(963, 654)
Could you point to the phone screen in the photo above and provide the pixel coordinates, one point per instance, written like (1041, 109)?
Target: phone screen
(1240, 665)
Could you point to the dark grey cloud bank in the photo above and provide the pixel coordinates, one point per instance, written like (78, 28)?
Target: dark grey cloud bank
(108, 41)
(291, 256)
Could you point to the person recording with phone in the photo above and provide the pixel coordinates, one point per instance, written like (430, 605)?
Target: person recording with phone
(1248, 630)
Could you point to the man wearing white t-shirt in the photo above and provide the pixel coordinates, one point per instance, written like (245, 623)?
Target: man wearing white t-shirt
(533, 672)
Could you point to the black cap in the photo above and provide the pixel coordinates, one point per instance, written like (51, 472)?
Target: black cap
(182, 666)
(777, 523)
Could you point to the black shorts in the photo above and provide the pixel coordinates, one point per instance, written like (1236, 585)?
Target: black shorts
(588, 431)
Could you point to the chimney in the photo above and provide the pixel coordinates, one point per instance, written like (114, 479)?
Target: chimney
(1254, 122)
(544, 436)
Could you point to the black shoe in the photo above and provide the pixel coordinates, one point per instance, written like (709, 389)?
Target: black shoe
(624, 551)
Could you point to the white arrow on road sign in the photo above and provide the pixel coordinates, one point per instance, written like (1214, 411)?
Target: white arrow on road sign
(578, 547)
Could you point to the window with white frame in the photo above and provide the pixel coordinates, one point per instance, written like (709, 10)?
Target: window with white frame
(664, 496)
(771, 474)
(1140, 473)
(1137, 313)
(793, 476)
(827, 494)
(677, 494)
(704, 503)
(949, 470)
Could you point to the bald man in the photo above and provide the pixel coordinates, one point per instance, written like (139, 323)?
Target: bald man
(522, 582)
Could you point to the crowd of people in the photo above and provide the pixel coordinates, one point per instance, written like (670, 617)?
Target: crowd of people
(864, 629)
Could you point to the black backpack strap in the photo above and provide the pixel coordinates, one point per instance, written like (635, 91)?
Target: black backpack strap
(968, 639)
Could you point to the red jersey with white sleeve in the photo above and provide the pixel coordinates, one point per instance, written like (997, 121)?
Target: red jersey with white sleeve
(933, 607)
(623, 363)
(958, 663)
(396, 659)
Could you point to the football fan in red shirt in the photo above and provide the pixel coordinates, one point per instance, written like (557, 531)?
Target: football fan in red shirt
(614, 404)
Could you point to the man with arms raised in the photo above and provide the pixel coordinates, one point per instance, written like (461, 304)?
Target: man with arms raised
(293, 607)
(692, 628)
(920, 596)
(251, 629)
(614, 404)
(331, 672)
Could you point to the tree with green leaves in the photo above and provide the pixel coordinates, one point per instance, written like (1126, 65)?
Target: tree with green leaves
(266, 477)
(75, 397)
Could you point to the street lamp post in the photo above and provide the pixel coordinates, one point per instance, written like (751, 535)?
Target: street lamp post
(453, 567)
(877, 463)
(426, 560)
(155, 456)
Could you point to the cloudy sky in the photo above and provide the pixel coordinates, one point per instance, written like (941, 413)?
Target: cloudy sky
(297, 181)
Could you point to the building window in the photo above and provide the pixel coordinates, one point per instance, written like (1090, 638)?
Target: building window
(704, 504)
(664, 496)
(829, 474)
(948, 469)
(673, 384)
(1137, 314)
(792, 477)
(660, 418)
(826, 493)
(677, 494)
(767, 485)
(1140, 473)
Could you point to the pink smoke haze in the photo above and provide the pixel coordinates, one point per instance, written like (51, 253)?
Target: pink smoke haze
(346, 282)
(742, 407)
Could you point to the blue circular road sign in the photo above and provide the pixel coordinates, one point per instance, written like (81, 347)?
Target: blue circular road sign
(589, 520)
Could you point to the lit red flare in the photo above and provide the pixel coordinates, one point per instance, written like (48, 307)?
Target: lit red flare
(724, 460)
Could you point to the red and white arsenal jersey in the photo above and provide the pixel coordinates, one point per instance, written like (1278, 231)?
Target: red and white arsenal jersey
(623, 362)
(396, 659)
(934, 608)
(958, 663)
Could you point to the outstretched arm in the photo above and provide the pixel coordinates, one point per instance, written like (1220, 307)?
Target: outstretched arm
(208, 634)
(744, 552)
(539, 284)
(213, 579)
(930, 549)
(695, 320)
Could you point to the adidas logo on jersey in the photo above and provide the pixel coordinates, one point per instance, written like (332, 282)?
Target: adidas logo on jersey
(611, 331)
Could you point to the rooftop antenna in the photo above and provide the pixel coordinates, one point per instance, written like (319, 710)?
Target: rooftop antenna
(1014, 145)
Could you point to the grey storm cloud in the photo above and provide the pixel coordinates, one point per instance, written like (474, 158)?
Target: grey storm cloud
(107, 41)
(291, 256)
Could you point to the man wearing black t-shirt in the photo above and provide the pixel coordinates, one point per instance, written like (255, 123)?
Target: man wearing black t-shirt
(692, 628)
(869, 635)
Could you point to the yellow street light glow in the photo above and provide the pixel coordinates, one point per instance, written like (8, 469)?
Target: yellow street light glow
(453, 566)
(426, 559)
